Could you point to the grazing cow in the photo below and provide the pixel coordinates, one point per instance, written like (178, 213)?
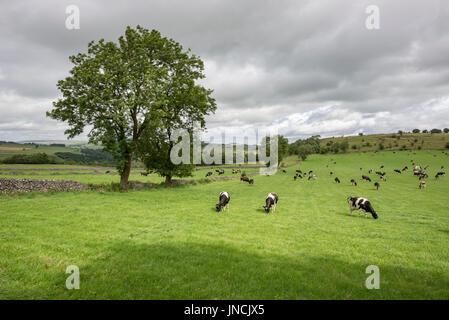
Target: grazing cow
(310, 172)
(271, 202)
(377, 185)
(370, 171)
(337, 180)
(423, 176)
(312, 177)
(405, 168)
(221, 172)
(298, 171)
(396, 170)
(353, 182)
(245, 178)
(441, 173)
(208, 174)
(144, 174)
(331, 173)
(107, 172)
(422, 185)
(382, 166)
(366, 178)
(284, 171)
(357, 203)
(223, 201)
(216, 170)
(295, 177)
(383, 178)
(251, 181)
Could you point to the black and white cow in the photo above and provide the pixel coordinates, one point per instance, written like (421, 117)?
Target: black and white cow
(337, 180)
(271, 202)
(366, 178)
(357, 203)
(209, 173)
(224, 201)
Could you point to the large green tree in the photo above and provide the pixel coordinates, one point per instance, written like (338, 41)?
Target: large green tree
(119, 90)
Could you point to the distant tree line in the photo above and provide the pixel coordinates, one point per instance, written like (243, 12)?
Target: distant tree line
(87, 156)
(36, 158)
(435, 130)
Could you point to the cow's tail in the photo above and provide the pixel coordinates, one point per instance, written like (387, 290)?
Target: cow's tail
(371, 210)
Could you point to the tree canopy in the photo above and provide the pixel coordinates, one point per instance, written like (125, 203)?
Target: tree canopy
(121, 90)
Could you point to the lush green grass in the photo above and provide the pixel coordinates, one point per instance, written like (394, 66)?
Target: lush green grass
(169, 243)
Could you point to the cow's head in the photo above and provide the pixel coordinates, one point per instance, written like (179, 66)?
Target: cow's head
(218, 207)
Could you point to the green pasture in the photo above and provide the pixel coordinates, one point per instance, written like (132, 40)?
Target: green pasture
(170, 243)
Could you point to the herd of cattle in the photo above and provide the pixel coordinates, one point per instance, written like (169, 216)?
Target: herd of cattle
(355, 203)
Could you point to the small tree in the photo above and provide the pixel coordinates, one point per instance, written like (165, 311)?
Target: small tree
(435, 131)
(344, 146)
(416, 131)
(446, 130)
(304, 151)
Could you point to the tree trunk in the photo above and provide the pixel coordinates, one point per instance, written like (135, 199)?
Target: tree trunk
(124, 177)
(168, 179)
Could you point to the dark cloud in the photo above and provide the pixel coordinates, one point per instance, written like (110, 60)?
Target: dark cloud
(303, 67)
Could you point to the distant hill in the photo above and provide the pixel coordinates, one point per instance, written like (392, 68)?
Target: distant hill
(391, 141)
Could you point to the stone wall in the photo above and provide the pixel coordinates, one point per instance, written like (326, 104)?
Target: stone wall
(27, 185)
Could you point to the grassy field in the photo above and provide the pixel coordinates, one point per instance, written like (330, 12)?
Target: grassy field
(10, 149)
(393, 141)
(101, 178)
(170, 243)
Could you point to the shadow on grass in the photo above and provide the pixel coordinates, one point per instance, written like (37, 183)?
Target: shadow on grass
(131, 270)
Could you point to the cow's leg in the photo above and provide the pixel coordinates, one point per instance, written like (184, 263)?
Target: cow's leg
(359, 212)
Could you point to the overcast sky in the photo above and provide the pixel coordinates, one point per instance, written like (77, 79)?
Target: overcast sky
(301, 67)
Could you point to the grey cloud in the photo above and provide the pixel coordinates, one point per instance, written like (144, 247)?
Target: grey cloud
(266, 60)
